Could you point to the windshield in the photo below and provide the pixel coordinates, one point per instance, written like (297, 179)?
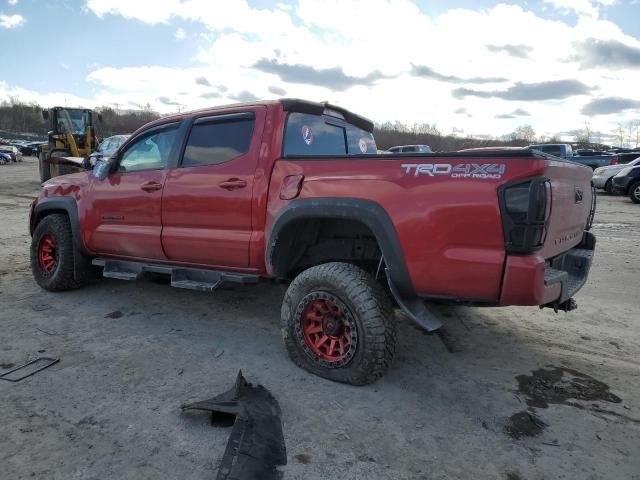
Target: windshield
(72, 121)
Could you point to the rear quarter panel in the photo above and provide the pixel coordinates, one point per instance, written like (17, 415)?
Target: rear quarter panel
(450, 229)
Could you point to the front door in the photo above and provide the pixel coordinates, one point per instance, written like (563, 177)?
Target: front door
(125, 217)
(207, 200)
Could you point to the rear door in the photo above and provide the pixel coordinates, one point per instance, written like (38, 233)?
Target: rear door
(207, 200)
(125, 209)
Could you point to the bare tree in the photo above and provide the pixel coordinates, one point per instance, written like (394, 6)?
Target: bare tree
(524, 132)
(633, 133)
(618, 134)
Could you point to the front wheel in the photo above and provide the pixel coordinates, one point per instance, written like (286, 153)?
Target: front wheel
(337, 323)
(52, 254)
(634, 192)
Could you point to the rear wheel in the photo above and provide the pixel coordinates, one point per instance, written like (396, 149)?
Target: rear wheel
(337, 323)
(608, 187)
(634, 192)
(52, 254)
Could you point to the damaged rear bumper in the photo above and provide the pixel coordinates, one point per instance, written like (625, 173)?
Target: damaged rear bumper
(532, 280)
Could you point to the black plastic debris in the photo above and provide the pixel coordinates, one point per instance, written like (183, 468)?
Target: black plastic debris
(256, 445)
(30, 368)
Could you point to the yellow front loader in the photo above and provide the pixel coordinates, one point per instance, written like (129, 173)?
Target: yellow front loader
(72, 138)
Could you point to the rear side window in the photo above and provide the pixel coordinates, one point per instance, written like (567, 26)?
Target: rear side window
(316, 135)
(217, 140)
(628, 157)
(552, 150)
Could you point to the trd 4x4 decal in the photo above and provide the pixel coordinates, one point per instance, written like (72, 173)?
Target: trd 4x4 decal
(463, 170)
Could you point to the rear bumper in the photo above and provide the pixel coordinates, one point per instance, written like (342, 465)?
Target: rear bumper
(533, 280)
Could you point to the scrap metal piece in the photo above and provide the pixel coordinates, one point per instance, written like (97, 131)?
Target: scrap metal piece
(49, 362)
(256, 445)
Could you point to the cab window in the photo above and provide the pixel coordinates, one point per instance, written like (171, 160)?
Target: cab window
(218, 139)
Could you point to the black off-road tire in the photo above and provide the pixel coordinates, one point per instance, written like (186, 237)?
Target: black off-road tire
(62, 277)
(369, 309)
(44, 167)
(608, 187)
(634, 192)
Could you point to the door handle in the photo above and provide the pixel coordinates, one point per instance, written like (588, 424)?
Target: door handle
(151, 186)
(233, 184)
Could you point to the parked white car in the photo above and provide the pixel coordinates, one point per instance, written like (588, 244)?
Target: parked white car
(602, 176)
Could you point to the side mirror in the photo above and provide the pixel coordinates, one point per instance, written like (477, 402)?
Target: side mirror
(45, 114)
(102, 168)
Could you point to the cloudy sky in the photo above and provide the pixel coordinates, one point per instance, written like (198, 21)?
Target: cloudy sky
(479, 66)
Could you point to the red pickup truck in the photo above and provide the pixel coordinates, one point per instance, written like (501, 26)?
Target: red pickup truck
(294, 190)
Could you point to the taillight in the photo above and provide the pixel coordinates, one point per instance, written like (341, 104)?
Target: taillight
(526, 208)
(614, 161)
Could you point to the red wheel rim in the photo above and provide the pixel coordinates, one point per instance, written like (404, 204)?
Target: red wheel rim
(327, 328)
(47, 253)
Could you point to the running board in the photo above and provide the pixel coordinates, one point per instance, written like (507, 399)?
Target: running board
(190, 278)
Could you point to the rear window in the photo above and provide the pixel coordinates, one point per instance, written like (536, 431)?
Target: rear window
(316, 135)
(218, 140)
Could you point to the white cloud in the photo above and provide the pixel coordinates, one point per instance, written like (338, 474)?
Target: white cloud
(11, 21)
(352, 39)
(12, 2)
(180, 34)
(581, 7)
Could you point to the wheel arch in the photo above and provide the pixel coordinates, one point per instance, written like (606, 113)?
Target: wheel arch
(364, 212)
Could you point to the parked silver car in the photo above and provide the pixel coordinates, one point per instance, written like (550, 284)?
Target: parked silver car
(602, 176)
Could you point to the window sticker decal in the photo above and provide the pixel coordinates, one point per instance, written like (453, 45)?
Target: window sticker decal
(307, 134)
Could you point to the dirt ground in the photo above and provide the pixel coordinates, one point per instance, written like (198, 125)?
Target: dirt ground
(506, 393)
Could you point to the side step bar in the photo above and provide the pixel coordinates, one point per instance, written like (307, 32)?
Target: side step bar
(191, 278)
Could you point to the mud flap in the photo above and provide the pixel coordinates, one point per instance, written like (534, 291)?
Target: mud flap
(256, 445)
(415, 309)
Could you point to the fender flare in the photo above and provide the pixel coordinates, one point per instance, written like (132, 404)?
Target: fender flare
(366, 212)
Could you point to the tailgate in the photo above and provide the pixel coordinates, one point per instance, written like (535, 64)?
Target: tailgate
(571, 203)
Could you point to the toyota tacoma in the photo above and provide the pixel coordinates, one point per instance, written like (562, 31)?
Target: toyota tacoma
(294, 191)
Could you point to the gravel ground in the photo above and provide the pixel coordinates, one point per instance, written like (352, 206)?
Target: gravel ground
(508, 393)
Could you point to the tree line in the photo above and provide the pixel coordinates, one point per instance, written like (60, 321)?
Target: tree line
(390, 134)
(21, 117)
(17, 116)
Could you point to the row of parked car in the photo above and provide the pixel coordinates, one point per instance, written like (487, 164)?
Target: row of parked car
(615, 171)
(620, 179)
(14, 150)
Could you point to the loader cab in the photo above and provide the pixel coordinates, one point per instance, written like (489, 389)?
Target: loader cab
(72, 130)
